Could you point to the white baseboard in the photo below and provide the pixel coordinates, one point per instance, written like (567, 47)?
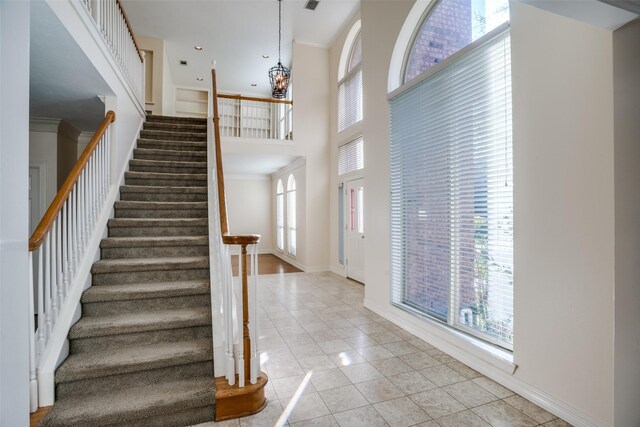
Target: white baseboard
(299, 265)
(498, 372)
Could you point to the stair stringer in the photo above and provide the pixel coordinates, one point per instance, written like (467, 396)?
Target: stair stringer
(58, 346)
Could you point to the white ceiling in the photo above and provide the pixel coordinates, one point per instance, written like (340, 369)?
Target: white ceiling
(55, 56)
(234, 33)
(594, 12)
(254, 164)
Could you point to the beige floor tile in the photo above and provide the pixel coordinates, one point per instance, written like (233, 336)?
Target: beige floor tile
(326, 421)
(329, 379)
(464, 418)
(316, 363)
(557, 423)
(402, 412)
(366, 416)
(533, 411)
(469, 394)
(422, 345)
(361, 341)
(307, 407)
(334, 346)
(401, 348)
(464, 370)
(428, 424)
(343, 398)
(501, 414)
(287, 387)
(412, 382)
(385, 337)
(377, 352)
(346, 358)
(306, 350)
(419, 360)
(493, 387)
(350, 331)
(442, 375)
(436, 403)
(440, 356)
(379, 390)
(297, 339)
(267, 417)
(372, 328)
(283, 370)
(392, 366)
(361, 372)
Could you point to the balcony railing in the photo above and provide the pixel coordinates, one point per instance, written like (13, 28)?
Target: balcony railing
(258, 118)
(112, 22)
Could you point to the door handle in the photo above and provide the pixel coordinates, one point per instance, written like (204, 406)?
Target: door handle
(363, 236)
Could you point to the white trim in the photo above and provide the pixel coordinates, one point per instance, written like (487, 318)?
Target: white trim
(286, 258)
(296, 164)
(403, 42)
(264, 141)
(346, 48)
(247, 177)
(41, 124)
(501, 371)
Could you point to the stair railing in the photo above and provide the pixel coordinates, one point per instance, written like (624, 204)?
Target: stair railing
(259, 118)
(112, 22)
(234, 303)
(59, 242)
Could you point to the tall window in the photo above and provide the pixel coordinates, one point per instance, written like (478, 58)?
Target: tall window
(452, 172)
(291, 215)
(350, 88)
(280, 215)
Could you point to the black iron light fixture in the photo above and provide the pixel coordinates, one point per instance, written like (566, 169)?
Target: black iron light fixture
(279, 76)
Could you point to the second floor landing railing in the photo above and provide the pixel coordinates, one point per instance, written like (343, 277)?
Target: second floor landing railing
(258, 118)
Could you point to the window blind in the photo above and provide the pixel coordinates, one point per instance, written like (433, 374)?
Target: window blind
(351, 156)
(350, 100)
(452, 193)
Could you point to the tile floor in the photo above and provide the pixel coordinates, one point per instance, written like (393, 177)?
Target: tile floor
(332, 362)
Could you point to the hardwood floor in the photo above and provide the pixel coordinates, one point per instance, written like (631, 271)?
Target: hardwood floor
(34, 419)
(268, 264)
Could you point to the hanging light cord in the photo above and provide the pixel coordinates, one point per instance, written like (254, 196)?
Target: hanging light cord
(279, 28)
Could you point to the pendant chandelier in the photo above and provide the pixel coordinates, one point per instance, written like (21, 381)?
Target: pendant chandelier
(279, 76)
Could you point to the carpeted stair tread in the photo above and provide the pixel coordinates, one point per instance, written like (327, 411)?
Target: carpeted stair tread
(136, 291)
(163, 144)
(167, 163)
(176, 126)
(131, 405)
(165, 190)
(173, 136)
(137, 152)
(157, 222)
(149, 264)
(144, 321)
(169, 176)
(134, 204)
(154, 118)
(87, 365)
(141, 242)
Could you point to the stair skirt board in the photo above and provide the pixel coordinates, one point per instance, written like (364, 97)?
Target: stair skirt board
(141, 353)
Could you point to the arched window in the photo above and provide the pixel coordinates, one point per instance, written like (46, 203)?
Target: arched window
(291, 215)
(350, 84)
(451, 171)
(280, 215)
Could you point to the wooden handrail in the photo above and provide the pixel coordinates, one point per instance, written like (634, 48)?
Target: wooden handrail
(251, 98)
(46, 222)
(133, 37)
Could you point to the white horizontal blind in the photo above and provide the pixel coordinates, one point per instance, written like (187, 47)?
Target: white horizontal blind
(350, 100)
(452, 194)
(351, 156)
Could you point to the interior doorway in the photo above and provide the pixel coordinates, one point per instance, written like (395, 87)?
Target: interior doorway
(354, 229)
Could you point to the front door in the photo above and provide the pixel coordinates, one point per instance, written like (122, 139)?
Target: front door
(354, 228)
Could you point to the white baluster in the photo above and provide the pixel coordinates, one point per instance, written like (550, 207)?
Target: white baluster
(54, 272)
(59, 277)
(41, 316)
(66, 247)
(47, 287)
(33, 384)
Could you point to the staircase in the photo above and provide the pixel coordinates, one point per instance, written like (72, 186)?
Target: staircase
(141, 354)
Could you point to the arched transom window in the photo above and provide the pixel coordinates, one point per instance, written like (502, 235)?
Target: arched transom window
(350, 84)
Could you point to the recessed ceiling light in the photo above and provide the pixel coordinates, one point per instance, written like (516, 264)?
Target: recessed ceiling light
(253, 85)
(199, 79)
(265, 56)
(197, 47)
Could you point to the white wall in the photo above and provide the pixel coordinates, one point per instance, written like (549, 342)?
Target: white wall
(564, 217)
(157, 47)
(249, 208)
(67, 150)
(626, 71)
(563, 208)
(14, 213)
(43, 150)
(168, 88)
(311, 135)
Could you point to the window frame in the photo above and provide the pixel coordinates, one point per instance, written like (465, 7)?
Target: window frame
(347, 74)
(291, 216)
(280, 212)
